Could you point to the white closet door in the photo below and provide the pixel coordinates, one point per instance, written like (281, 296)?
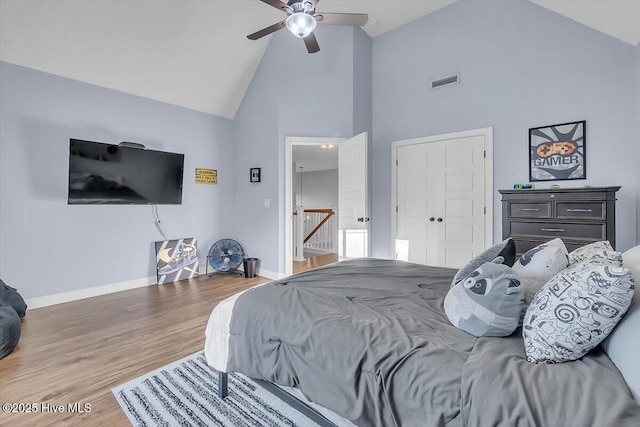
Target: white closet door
(461, 196)
(415, 184)
(440, 201)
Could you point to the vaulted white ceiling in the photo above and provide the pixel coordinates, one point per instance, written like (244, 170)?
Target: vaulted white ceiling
(194, 53)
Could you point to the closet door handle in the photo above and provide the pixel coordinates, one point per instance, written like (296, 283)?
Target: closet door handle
(432, 219)
(439, 219)
(553, 230)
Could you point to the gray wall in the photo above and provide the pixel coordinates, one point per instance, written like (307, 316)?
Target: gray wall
(292, 93)
(47, 246)
(521, 66)
(362, 83)
(638, 142)
(319, 189)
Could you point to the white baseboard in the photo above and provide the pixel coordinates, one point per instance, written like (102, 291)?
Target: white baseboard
(47, 300)
(270, 274)
(315, 252)
(265, 273)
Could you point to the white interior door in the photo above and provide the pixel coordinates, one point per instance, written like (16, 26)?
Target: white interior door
(353, 218)
(440, 192)
(461, 200)
(414, 187)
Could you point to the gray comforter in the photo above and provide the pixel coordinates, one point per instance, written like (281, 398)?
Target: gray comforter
(369, 340)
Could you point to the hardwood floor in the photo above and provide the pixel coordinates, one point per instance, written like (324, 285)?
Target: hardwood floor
(76, 352)
(313, 262)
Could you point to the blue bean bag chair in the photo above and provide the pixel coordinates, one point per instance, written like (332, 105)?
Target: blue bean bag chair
(12, 297)
(9, 329)
(12, 309)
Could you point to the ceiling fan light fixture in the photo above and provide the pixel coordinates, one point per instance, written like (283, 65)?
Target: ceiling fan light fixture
(301, 24)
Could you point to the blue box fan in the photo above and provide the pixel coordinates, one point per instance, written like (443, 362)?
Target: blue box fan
(225, 256)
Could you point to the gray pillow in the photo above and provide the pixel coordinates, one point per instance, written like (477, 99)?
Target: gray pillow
(488, 303)
(502, 253)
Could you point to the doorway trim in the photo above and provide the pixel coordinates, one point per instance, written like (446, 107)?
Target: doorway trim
(488, 180)
(290, 141)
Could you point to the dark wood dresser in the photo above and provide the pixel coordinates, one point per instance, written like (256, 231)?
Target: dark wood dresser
(577, 215)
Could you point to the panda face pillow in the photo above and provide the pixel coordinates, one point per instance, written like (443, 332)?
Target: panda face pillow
(502, 253)
(486, 303)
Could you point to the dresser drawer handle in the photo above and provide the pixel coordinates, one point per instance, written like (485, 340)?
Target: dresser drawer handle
(579, 210)
(554, 230)
(529, 210)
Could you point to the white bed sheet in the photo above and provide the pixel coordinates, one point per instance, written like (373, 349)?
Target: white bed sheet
(217, 333)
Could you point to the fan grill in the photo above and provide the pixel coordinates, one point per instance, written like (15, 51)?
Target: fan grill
(225, 256)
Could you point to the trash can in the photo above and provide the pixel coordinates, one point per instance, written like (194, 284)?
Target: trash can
(250, 267)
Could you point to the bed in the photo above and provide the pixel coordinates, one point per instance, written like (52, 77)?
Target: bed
(369, 340)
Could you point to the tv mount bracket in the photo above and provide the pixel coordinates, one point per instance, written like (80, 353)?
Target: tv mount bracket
(132, 145)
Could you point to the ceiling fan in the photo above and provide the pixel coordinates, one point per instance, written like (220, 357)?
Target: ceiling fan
(302, 19)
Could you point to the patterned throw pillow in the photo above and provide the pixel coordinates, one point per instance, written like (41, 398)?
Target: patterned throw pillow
(601, 251)
(487, 303)
(575, 311)
(502, 253)
(538, 265)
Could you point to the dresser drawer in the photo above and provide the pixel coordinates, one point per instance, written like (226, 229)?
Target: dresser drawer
(590, 210)
(559, 229)
(530, 210)
(524, 244)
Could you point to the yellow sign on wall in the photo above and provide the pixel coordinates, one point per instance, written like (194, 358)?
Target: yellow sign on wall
(206, 176)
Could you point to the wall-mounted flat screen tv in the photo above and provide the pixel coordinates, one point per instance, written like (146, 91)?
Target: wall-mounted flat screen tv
(102, 173)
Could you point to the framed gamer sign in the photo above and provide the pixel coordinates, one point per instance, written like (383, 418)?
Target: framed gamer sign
(557, 152)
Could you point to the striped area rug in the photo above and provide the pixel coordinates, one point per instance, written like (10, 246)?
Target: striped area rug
(184, 393)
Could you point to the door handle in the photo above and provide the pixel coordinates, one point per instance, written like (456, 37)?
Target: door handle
(366, 219)
(432, 219)
(361, 219)
(439, 219)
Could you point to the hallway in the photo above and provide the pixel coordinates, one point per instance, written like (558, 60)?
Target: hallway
(316, 261)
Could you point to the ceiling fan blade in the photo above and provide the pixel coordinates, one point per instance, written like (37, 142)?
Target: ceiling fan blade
(275, 3)
(266, 31)
(312, 43)
(359, 19)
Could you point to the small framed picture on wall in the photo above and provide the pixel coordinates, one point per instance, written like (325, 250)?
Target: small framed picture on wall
(254, 175)
(558, 152)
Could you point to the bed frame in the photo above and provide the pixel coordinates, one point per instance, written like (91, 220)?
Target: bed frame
(304, 408)
(223, 384)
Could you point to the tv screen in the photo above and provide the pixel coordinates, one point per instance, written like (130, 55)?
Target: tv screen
(115, 174)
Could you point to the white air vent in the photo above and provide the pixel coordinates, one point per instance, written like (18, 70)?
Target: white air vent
(445, 81)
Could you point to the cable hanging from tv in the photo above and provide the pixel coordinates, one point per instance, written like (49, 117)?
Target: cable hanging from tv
(157, 221)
